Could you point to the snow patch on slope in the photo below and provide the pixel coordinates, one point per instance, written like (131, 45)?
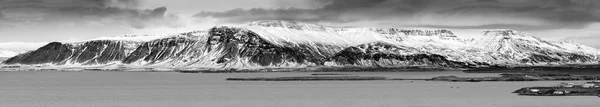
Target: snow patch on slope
(146, 38)
(297, 32)
(134, 38)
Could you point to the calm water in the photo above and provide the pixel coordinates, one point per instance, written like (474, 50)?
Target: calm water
(169, 89)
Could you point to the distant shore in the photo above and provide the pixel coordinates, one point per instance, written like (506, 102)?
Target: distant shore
(549, 69)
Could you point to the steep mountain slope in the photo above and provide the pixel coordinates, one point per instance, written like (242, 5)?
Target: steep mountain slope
(87, 53)
(161, 50)
(292, 33)
(508, 46)
(5, 54)
(236, 47)
(2, 59)
(381, 54)
(284, 44)
(100, 52)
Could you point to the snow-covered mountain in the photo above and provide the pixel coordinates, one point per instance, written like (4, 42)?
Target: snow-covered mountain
(285, 44)
(513, 47)
(146, 38)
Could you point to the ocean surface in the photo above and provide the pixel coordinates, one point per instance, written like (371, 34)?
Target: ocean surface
(172, 89)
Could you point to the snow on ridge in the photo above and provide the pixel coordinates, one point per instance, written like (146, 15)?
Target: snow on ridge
(278, 31)
(346, 37)
(293, 25)
(503, 32)
(573, 46)
(316, 27)
(133, 38)
(146, 38)
(299, 32)
(501, 42)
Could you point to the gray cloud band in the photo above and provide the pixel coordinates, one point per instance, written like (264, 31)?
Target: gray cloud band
(22, 12)
(526, 14)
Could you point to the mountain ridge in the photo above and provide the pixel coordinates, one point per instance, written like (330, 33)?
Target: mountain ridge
(286, 44)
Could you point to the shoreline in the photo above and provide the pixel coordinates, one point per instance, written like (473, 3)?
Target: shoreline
(516, 69)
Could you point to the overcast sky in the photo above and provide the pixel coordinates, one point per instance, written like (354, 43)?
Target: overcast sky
(40, 21)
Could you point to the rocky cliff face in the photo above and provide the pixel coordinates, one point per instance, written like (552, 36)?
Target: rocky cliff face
(381, 54)
(241, 47)
(283, 44)
(87, 53)
(161, 50)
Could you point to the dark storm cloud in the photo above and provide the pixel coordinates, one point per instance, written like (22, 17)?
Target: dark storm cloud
(526, 14)
(552, 17)
(337, 10)
(497, 26)
(94, 12)
(1, 16)
(496, 1)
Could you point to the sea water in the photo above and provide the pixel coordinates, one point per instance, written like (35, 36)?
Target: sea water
(171, 89)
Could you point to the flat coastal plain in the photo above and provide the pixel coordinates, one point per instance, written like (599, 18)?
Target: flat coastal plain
(172, 89)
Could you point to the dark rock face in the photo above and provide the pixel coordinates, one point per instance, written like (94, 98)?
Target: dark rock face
(569, 57)
(2, 59)
(233, 44)
(98, 52)
(387, 55)
(163, 49)
(55, 53)
(88, 53)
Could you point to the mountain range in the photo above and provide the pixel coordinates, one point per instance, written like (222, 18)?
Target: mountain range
(287, 44)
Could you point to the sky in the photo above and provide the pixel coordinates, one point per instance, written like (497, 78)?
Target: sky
(31, 23)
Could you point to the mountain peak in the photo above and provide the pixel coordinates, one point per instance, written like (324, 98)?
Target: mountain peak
(275, 23)
(503, 32)
(289, 25)
(438, 32)
(415, 32)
